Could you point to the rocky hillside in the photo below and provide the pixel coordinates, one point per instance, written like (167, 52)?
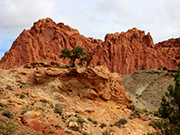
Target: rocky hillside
(123, 52)
(48, 98)
(148, 86)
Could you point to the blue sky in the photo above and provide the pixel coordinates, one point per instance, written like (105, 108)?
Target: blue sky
(93, 18)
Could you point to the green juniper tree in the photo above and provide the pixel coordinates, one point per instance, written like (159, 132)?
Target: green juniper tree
(76, 53)
(170, 105)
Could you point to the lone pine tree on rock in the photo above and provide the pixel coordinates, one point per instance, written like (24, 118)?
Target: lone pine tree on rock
(76, 53)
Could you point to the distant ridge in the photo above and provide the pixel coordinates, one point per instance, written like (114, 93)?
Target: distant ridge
(123, 52)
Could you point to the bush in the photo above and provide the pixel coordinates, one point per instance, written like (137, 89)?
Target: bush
(9, 129)
(159, 68)
(164, 68)
(8, 87)
(85, 133)
(95, 122)
(58, 109)
(25, 109)
(80, 120)
(7, 114)
(89, 119)
(22, 96)
(170, 108)
(63, 120)
(145, 110)
(164, 126)
(103, 125)
(123, 121)
(57, 126)
(1, 104)
(75, 128)
(117, 124)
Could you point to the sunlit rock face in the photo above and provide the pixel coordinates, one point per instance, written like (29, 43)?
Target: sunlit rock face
(123, 52)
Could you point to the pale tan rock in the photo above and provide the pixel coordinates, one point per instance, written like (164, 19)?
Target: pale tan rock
(32, 114)
(144, 117)
(73, 124)
(14, 101)
(86, 128)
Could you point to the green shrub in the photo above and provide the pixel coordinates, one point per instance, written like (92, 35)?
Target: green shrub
(7, 114)
(164, 68)
(159, 68)
(22, 133)
(123, 121)
(145, 110)
(85, 133)
(25, 109)
(80, 120)
(1, 104)
(117, 124)
(9, 129)
(58, 110)
(57, 126)
(76, 111)
(4, 121)
(164, 126)
(95, 122)
(63, 120)
(8, 87)
(75, 128)
(22, 96)
(103, 125)
(89, 119)
(170, 108)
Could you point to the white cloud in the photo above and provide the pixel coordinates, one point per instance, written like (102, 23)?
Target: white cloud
(22, 13)
(94, 18)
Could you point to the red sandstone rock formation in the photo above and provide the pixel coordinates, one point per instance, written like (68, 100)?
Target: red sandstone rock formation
(122, 53)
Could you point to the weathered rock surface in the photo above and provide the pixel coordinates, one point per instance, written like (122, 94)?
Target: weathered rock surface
(81, 93)
(92, 83)
(123, 53)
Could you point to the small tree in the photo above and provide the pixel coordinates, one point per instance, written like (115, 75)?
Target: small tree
(170, 107)
(164, 68)
(76, 53)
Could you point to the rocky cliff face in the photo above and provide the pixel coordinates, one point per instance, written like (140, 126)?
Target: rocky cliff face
(53, 99)
(121, 52)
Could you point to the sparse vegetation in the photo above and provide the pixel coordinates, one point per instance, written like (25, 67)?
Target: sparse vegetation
(58, 109)
(1, 104)
(57, 126)
(7, 114)
(85, 133)
(25, 109)
(76, 111)
(103, 125)
(123, 121)
(170, 109)
(64, 120)
(80, 120)
(8, 87)
(8, 129)
(164, 68)
(75, 128)
(89, 119)
(22, 96)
